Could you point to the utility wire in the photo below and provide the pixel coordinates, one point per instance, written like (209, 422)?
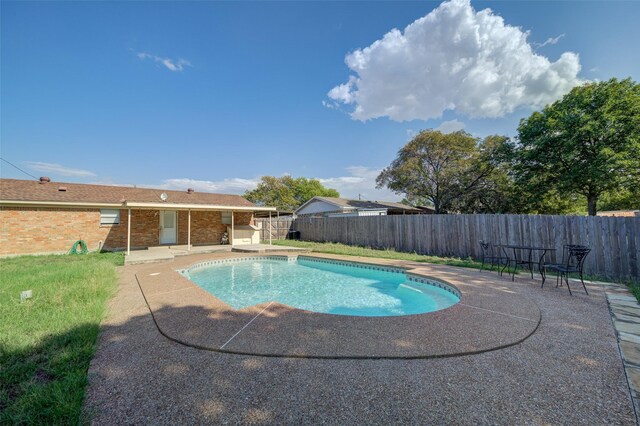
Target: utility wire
(11, 164)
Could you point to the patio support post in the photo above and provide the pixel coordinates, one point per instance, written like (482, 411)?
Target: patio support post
(232, 227)
(189, 231)
(129, 231)
(270, 230)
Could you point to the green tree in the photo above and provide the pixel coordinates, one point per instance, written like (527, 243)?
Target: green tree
(587, 143)
(287, 193)
(621, 199)
(437, 168)
(495, 192)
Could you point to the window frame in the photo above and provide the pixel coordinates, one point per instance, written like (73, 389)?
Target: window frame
(106, 213)
(226, 217)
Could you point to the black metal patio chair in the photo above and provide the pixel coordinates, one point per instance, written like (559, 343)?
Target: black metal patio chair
(493, 255)
(573, 257)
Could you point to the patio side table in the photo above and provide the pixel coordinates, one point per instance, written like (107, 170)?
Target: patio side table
(523, 255)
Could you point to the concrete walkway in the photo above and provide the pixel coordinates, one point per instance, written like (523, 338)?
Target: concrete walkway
(625, 311)
(568, 372)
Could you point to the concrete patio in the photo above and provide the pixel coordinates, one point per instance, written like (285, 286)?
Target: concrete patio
(169, 252)
(569, 371)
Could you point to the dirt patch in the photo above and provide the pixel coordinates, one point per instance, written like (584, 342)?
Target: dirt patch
(42, 377)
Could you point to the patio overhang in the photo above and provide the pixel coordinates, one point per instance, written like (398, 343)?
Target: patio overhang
(182, 206)
(189, 208)
(137, 205)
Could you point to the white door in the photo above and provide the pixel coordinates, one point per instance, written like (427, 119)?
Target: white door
(167, 227)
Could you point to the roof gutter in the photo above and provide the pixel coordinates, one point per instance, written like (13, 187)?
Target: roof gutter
(65, 204)
(177, 206)
(135, 205)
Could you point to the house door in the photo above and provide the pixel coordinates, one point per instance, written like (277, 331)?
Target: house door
(168, 227)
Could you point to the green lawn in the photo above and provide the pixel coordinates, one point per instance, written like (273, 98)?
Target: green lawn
(47, 342)
(346, 250)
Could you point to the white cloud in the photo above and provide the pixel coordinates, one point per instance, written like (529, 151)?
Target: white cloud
(454, 58)
(225, 186)
(58, 169)
(450, 126)
(550, 40)
(357, 181)
(331, 104)
(360, 182)
(170, 64)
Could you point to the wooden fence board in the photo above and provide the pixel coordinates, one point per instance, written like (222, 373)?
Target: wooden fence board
(615, 241)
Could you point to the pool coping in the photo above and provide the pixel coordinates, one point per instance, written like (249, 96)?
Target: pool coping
(490, 316)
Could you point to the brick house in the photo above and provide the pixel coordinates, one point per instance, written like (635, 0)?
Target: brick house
(48, 217)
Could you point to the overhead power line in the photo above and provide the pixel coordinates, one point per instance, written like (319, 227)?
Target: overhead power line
(13, 165)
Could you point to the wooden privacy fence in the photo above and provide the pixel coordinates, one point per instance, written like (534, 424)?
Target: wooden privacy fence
(614, 241)
(278, 230)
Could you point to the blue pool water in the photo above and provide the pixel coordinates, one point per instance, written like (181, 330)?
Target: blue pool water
(320, 287)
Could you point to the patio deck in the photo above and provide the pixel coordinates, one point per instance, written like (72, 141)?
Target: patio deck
(569, 371)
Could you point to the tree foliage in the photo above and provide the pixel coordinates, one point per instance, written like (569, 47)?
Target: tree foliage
(587, 143)
(495, 190)
(439, 168)
(287, 193)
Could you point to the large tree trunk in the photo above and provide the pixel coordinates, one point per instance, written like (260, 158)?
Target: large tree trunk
(436, 206)
(591, 204)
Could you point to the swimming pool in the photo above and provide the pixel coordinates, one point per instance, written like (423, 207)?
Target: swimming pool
(321, 285)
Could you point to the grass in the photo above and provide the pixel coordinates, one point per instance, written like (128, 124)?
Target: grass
(47, 342)
(346, 250)
(635, 289)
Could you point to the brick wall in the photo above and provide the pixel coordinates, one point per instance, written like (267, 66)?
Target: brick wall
(206, 227)
(26, 230)
(43, 230)
(145, 230)
(243, 218)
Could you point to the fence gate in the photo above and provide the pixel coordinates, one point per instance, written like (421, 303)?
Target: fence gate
(279, 228)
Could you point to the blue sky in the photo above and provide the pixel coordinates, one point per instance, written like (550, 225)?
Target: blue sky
(213, 95)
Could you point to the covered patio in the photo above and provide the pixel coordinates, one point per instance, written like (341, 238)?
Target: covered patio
(164, 253)
(166, 229)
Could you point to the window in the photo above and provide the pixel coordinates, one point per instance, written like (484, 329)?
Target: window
(109, 217)
(226, 218)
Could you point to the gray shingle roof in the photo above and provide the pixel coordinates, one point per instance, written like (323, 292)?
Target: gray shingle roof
(362, 204)
(32, 190)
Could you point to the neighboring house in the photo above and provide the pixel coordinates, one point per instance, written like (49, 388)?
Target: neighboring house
(48, 217)
(340, 207)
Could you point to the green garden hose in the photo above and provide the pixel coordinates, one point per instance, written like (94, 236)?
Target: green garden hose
(83, 248)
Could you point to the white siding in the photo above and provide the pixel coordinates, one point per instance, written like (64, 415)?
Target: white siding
(318, 206)
(378, 212)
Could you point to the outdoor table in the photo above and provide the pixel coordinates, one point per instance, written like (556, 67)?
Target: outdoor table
(526, 253)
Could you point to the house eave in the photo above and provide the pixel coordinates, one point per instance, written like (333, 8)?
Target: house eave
(317, 198)
(179, 206)
(133, 205)
(64, 204)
